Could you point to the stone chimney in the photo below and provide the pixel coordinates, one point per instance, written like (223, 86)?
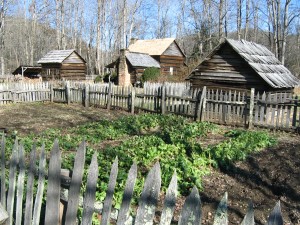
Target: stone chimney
(133, 40)
(123, 74)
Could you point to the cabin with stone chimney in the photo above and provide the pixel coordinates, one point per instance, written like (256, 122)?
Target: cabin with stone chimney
(141, 54)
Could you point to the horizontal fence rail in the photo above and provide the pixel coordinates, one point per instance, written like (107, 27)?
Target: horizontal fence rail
(229, 107)
(12, 208)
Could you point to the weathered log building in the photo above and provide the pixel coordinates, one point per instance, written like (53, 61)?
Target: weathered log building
(243, 65)
(141, 54)
(63, 65)
(28, 71)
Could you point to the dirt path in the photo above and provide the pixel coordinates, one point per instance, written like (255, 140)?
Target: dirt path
(35, 117)
(265, 178)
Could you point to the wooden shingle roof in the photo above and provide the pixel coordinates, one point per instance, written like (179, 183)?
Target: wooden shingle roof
(264, 62)
(57, 56)
(141, 60)
(151, 47)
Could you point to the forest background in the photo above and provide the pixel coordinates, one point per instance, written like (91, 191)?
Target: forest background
(98, 29)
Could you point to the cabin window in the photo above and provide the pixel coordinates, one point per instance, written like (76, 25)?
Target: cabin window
(171, 70)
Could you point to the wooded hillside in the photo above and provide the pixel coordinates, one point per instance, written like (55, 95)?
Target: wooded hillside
(99, 29)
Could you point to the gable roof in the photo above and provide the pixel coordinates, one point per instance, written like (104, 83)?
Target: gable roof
(151, 47)
(263, 62)
(141, 60)
(57, 56)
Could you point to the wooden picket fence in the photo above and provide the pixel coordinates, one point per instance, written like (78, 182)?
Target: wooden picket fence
(229, 107)
(23, 205)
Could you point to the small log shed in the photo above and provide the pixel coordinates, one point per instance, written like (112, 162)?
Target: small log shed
(242, 65)
(63, 65)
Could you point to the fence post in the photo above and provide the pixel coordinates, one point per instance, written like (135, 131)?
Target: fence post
(3, 214)
(163, 99)
(250, 125)
(86, 95)
(132, 100)
(68, 93)
(51, 93)
(201, 104)
(295, 112)
(109, 96)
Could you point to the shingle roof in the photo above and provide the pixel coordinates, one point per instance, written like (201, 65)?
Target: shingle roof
(56, 56)
(151, 47)
(264, 62)
(141, 60)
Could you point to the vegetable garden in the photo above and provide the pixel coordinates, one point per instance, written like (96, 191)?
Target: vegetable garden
(174, 141)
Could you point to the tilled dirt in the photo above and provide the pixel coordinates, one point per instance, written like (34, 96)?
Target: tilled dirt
(264, 178)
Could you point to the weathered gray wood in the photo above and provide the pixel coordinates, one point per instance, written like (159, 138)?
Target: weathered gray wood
(132, 100)
(294, 124)
(149, 197)
(109, 95)
(221, 217)
(249, 217)
(191, 211)
(20, 186)
(262, 108)
(3, 179)
(90, 193)
(53, 189)
(30, 183)
(127, 196)
(163, 100)
(275, 217)
(251, 108)
(109, 194)
(87, 95)
(3, 214)
(12, 182)
(68, 93)
(40, 190)
(51, 93)
(170, 202)
(74, 191)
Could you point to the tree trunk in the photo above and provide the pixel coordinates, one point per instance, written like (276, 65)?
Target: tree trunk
(221, 19)
(247, 20)
(239, 19)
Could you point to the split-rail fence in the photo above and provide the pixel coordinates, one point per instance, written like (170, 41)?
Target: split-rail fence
(229, 107)
(24, 204)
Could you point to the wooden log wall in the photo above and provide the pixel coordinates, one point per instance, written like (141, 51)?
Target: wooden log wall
(190, 213)
(227, 69)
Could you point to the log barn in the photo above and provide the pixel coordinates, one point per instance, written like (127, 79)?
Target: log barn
(63, 65)
(242, 65)
(141, 54)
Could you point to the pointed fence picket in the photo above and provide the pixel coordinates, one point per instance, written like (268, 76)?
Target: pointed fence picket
(190, 213)
(228, 107)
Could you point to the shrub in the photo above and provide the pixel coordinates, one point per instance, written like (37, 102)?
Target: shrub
(150, 74)
(113, 77)
(98, 79)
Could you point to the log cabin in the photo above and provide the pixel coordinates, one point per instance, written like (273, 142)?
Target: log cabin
(242, 65)
(131, 65)
(160, 53)
(63, 65)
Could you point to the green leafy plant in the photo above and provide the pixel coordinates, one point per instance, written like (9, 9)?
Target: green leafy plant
(150, 74)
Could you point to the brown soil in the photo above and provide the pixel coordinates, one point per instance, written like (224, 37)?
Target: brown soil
(265, 177)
